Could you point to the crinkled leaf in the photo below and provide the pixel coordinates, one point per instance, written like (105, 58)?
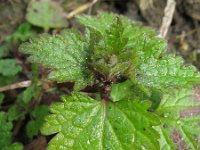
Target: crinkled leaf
(46, 14)
(66, 53)
(84, 123)
(180, 118)
(141, 39)
(99, 23)
(113, 46)
(9, 67)
(5, 134)
(165, 72)
(38, 114)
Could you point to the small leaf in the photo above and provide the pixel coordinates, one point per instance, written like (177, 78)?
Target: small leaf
(35, 124)
(98, 23)
(26, 96)
(46, 14)
(126, 91)
(14, 113)
(9, 67)
(22, 33)
(180, 117)
(84, 123)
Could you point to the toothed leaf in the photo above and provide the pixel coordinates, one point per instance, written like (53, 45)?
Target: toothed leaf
(180, 120)
(167, 71)
(84, 123)
(66, 53)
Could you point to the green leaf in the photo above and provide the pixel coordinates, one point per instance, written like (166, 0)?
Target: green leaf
(84, 123)
(66, 53)
(141, 39)
(46, 14)
(15, 113)
(22, 34)
(4, 50)
(167, 71)
(106, 55)
(126, 91)
(5, 134)
(35, 124)
(98, 23)
(9, 67)
(180, 117)
(28, 94)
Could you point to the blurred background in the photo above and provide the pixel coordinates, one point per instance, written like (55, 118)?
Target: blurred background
(24, 91)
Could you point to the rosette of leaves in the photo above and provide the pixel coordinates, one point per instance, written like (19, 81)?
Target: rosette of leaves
(128, 67)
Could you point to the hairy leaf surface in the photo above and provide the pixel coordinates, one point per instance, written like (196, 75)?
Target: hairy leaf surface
(166, 72)
(66, 53)
(84, 123)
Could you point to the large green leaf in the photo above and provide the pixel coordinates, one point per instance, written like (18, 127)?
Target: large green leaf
(66, 53)
(84, 123)
(180, 117)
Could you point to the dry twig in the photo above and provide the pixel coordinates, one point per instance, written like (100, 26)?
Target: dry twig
(167, 18)
(16, 85)
(80, 9)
